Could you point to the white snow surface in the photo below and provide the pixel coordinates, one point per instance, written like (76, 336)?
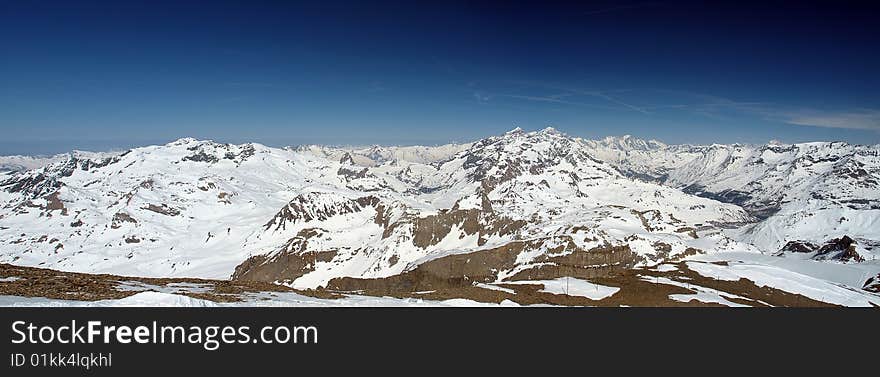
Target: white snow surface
(159, 299)
(810, 191)
(572, 287)
(787, 280)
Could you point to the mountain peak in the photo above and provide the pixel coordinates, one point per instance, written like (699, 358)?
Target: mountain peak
(188, 141)
(515, 131)
(185, 140)
(550, 131)
(629, 142)
(519, 132)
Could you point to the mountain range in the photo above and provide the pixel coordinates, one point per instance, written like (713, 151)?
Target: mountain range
(470, 220)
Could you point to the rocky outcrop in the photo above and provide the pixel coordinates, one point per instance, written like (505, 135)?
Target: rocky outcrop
(317, 207)
(162, 209)
(799, 247)
(290, 262)
(872, 284)
(120, 218)
(201, 156)
(430, 230)
(842, 249)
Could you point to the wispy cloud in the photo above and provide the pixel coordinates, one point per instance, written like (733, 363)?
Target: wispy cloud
(861, 119)
(617, 101)
(601, 94)
(566, 92)
(706, 105)
(557, 98)
(481, 97)
(856, 119)
(553, 99)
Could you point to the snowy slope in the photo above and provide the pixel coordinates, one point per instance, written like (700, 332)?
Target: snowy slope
(812, 192)
(183, 208)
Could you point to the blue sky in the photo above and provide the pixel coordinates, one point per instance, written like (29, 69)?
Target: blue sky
(100, 75)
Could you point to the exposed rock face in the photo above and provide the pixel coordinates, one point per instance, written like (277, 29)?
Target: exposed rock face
(290, 262)
(201, 156)
(842, 249)
(120, 218)
(163, 209)
(872, 284)
(346, 159)
(432, 229)
(297, 257)
(799, 247)
(211, 153)
(317, 207)
(351, 174)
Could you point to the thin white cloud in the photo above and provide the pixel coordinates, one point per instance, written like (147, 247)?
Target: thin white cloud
(864, 119)
(707, 106)
(714, 107)
(554, 99)
(481, 97)
(617, 101)
(573, 92)
(857, 119)
(557, 99)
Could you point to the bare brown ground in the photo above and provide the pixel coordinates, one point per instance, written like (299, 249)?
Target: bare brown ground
(638, 287)
(42, 282)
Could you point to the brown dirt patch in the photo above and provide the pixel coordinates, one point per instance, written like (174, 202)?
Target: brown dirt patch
(42, 282)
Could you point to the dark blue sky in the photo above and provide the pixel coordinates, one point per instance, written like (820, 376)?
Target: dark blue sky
(99, 75)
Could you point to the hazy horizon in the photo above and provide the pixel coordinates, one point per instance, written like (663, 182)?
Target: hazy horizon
(104, 146)
(103, 75)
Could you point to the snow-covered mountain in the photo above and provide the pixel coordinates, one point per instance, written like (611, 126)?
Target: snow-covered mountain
(811, 192)
(522, 205)
(22, 163)
(537, 187)
(377, 155)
